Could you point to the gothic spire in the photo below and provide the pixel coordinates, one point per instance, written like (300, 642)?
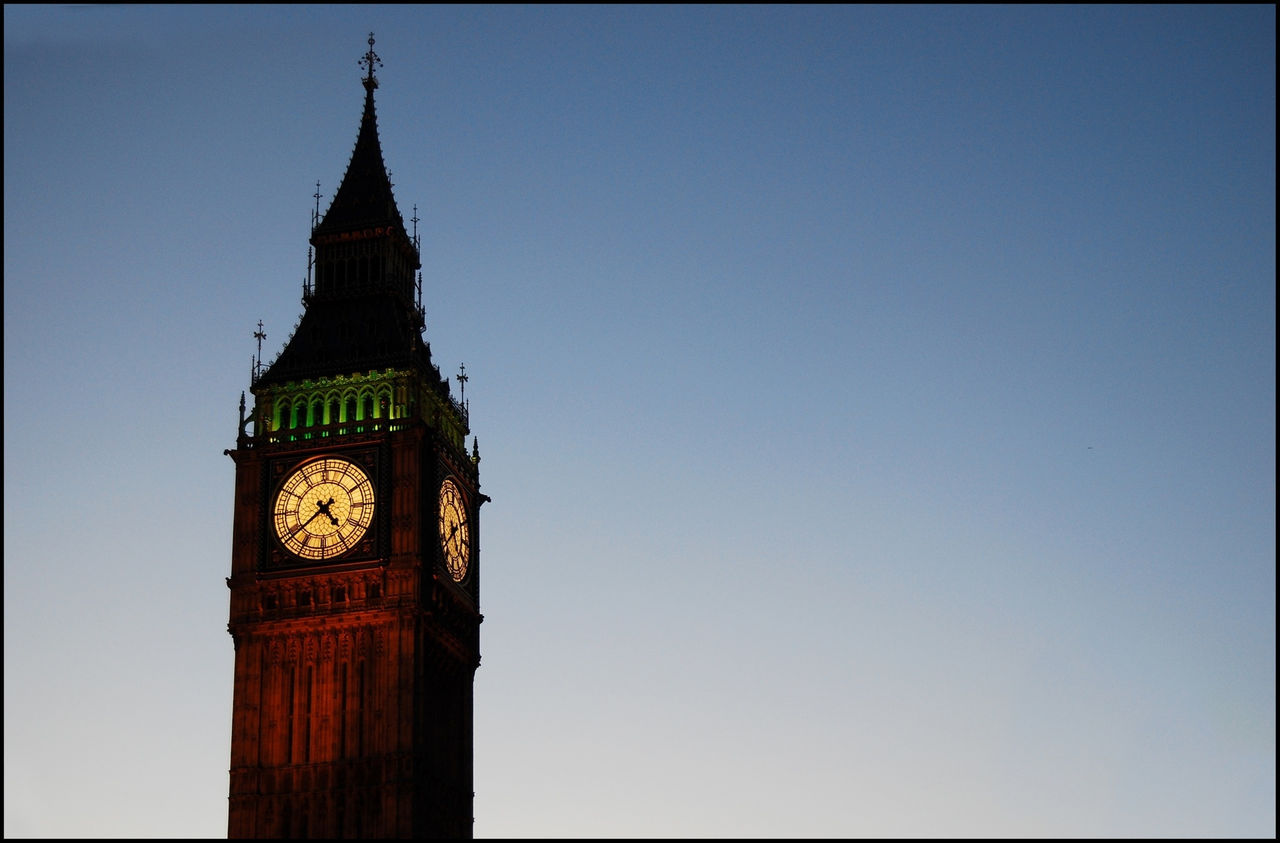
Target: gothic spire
(360, 313)
(364, 198)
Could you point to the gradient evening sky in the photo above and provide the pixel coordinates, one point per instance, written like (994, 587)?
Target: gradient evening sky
(877, 403)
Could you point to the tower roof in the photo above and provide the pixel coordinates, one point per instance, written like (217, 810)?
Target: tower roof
(360, 316)
(364, 198)
(347, 336)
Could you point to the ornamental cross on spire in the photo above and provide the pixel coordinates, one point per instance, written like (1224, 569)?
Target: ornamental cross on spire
(369, 60)
(462, 382)
(260, 335)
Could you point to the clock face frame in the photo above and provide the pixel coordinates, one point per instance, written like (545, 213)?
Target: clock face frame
(323, 508)
(455, 531)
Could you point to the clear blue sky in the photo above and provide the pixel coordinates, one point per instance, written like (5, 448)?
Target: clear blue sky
(877, 403)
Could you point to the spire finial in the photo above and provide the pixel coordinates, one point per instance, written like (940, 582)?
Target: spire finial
(259, 335)
(369, 60)
(462, 383)
(422, 318)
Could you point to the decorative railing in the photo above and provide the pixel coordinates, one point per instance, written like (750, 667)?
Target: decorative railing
(320, 432)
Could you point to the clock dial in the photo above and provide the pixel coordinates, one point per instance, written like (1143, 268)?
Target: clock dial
(323, 509)
(455, 534)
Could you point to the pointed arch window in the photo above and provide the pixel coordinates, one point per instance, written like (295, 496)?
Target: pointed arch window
(348, 410)
(331, 412)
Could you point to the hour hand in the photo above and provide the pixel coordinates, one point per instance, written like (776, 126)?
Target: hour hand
(324, 507)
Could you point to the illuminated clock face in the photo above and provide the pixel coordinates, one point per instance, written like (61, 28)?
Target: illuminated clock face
(323, 509)
(455, 535)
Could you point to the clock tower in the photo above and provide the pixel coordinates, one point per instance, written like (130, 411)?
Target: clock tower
(355, 575)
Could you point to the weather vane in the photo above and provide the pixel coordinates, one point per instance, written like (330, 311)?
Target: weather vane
(369, 60)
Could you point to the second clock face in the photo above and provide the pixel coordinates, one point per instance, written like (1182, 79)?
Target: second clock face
(323, 508)
(455, 535)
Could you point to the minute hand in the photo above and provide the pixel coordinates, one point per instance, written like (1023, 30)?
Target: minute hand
(303, 525)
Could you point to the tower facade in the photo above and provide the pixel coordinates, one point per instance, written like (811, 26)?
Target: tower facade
(355, 576)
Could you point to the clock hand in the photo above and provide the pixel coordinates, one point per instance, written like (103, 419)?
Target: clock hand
(321, 509)
(324, 507)
(304, 524)
(454, 532)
